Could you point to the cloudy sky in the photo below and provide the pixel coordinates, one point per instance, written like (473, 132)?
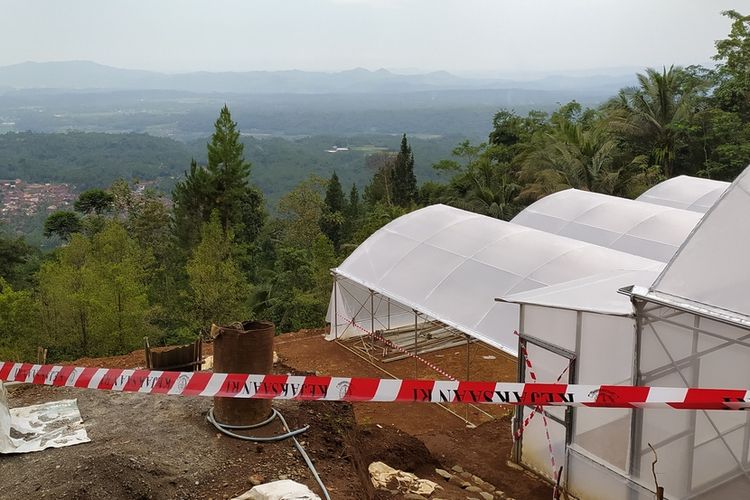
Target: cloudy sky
(499, 36)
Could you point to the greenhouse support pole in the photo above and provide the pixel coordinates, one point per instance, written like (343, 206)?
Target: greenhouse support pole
(468, 373)
(335, 318)
(636, 422)
(521, 374)
(416, 364)
(389, 313)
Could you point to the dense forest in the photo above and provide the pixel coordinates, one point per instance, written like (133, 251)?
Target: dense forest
(94, 159)
(131, 263)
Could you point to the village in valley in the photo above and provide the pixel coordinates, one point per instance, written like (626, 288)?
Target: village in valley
(26, 199)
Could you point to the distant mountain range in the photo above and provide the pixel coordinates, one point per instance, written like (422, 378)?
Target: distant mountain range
(86, 75)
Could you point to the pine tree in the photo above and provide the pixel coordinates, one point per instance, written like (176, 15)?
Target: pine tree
(404, 180)
(223, 185)
(332, 219)
(228, 169)
(351, 214)
(192, 204)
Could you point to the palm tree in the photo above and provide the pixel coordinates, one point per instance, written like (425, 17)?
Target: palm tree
(576, 153)
(490, 190)
(653, 113)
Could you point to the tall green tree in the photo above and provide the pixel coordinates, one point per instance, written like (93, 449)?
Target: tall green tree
(352, 214)
(732, 91)
(228, 169)
(19, 331)
(223, 185)
(300, 211)
(578, 151)
(93, 295)
(192, 198)
(654, 115)
(14, 255)
(218, 291)
(122, 311)
(62, 224)
(96, 201)
(404, 180)
(380, 188)
(333, 219)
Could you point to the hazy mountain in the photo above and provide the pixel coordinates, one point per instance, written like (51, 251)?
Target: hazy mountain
(77, 75)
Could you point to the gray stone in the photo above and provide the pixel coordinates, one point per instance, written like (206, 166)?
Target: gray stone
(466, 475)
(457, 468)
(486, 496)
(474, 489)
(444, 474)
(465, 485)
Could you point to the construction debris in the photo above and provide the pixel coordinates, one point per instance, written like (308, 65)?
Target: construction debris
(384, 477)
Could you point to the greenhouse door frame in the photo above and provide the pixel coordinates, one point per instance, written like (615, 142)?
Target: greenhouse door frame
(648, 321)
(567, 422)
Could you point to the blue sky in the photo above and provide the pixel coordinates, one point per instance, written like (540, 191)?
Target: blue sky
(477, 36)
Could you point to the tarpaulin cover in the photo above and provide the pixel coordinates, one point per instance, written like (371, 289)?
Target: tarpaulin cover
(34, 428)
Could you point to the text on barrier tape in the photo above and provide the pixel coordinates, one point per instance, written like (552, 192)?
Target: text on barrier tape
(308, 387)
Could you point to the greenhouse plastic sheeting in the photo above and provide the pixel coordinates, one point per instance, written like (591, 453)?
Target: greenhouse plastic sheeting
(710, 267)
(689, 193)
(451, 264)
(635, 227)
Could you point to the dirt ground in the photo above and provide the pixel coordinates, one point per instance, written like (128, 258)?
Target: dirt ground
(161, 447)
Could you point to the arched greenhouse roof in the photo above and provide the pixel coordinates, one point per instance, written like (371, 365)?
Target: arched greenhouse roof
(634, 227)
(451, 264)
(689, 193)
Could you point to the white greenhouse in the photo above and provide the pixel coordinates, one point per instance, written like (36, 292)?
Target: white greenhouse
(690, 328)
(573, 274)
(635, 227)
(688, 193)
(447, 265)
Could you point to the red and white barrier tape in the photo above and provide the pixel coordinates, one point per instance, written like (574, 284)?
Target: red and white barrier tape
(538, 409)
(308, 387)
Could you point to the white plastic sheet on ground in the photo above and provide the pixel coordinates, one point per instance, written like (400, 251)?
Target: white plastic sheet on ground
(285, 489)
(35, 428)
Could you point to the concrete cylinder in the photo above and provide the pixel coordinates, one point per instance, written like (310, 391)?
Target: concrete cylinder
(249, 350)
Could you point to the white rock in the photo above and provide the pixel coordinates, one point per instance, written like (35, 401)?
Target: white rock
(279, 490)
(384, 476)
